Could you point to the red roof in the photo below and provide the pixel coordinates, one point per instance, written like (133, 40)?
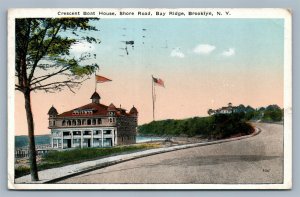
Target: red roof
(111, 107)
(96, 108)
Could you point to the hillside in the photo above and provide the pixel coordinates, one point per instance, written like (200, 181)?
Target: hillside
(217, 126)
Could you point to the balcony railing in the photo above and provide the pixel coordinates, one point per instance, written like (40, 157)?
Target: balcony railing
(83, 125)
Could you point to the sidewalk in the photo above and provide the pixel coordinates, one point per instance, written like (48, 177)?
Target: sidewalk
(56, 174)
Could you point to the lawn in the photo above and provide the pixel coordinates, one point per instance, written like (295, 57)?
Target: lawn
(61, 158)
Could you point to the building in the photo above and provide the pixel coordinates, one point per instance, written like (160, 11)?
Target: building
(223, 110)
(231, 109)
(93, 125)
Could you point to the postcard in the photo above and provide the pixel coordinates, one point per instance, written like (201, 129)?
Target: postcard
(149, 99)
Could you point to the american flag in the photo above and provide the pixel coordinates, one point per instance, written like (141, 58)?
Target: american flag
(158, 81)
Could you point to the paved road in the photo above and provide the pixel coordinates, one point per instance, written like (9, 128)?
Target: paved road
(258, 159)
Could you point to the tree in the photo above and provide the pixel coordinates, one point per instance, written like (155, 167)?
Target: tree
(43, 62)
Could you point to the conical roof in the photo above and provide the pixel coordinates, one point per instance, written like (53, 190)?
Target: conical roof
(52, 111)
(95, 96)
(133, 110)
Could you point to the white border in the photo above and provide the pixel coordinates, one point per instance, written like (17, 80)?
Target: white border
(235, 13)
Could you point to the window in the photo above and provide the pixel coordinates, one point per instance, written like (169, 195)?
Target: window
(89, 122)
(53, 122)
(107, 132)
(63, 123)
(99, 121)
(94, 121)
(79, 122)
(97, 132)
(76, 133)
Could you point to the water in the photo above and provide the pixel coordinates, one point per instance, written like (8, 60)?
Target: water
(22, 141)
(140, 139)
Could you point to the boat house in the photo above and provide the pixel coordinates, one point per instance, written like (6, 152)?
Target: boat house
(93, 125)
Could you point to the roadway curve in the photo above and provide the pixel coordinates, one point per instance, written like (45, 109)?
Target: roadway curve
(258, 159)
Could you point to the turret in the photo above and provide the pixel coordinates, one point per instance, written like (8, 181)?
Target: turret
(95, 98)
(52, 112)
(133, 111)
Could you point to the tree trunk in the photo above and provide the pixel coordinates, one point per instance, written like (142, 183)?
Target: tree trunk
(32, 151)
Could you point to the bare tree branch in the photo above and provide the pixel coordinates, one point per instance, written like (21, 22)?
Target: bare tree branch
(44, 77)
(67, 83)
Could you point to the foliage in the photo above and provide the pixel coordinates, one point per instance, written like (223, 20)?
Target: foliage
(227, 125)
(216, 126)
(43, 60)
(271, 113)
(21, 171)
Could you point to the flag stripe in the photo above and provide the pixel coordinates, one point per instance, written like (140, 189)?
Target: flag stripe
(158, 81)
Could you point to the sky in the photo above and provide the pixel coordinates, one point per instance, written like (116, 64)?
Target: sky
(205, 63)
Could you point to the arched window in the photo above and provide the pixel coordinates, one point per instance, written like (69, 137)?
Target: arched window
(69, 123)
(99, 121)
(78, 122)
(73, 122)
(83, 122)
(89, 122)
(63, 123)
(94, 121)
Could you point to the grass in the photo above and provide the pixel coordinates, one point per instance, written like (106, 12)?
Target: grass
(62, 158)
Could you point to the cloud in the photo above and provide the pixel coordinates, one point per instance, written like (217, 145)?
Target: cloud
(81, 47)
(177, 53)
(204, 49)
(229, 52)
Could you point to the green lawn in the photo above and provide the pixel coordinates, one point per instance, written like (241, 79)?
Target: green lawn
(61, 158)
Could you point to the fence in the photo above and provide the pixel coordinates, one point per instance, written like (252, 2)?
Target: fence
(40, 150)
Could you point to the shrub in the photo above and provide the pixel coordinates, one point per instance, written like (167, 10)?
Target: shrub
(216, 126)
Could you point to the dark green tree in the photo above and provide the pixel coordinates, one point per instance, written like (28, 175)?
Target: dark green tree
(43, 62)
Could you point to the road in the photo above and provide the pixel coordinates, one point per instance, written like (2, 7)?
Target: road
(258, 159)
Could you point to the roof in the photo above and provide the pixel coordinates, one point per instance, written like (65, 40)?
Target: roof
(95, 96)
(111, 107)
(52, 111)
(97, 108)
(133, 110)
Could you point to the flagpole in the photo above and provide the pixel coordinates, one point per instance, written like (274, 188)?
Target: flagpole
(95, 83)
(153, 98)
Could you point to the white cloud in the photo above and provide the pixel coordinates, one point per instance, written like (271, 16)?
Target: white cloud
(81, 47)
(204, 49)
(229, 52)
(177, 53)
